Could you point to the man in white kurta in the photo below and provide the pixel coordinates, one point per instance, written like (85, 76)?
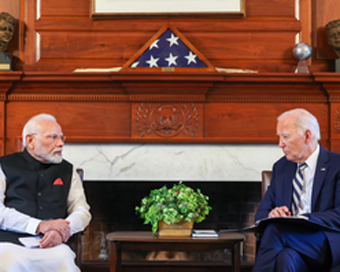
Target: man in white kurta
(40, 194)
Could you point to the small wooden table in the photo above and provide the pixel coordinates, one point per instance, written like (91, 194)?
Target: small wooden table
(143, 240)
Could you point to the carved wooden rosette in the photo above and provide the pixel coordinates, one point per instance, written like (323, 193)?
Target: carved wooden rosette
(167, 120)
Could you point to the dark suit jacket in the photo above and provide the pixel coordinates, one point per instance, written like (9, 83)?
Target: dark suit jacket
(325, 196)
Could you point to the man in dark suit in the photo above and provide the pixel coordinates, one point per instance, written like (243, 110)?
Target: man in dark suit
(290, 247)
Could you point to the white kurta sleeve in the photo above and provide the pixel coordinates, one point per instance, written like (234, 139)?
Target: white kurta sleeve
(11, 219)
(77, 206)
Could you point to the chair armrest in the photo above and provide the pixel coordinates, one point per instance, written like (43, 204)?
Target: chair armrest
(75, 243)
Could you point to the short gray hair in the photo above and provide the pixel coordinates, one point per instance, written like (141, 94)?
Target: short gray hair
(304, 120)
(31, 125)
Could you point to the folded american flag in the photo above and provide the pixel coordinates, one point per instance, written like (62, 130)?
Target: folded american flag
(168, 50)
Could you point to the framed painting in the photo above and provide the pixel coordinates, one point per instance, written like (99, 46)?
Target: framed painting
(105, 9)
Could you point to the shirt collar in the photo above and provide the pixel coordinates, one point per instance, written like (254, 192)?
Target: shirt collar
(313, 158)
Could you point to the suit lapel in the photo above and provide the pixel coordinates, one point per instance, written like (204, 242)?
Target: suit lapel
(320, 173)
(290, 170)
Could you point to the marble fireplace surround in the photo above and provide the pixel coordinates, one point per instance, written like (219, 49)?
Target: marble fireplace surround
(157, 162)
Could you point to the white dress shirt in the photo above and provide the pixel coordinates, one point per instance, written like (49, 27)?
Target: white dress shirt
(305, 204)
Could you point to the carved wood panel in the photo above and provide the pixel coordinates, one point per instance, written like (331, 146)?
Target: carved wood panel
(167, 120)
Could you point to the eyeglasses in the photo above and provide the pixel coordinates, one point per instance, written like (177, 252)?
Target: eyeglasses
(52, 137)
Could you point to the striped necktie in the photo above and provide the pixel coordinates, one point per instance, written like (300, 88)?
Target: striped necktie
(298, 183)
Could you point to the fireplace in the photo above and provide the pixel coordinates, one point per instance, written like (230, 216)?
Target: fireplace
(113, 208)
(118, 176)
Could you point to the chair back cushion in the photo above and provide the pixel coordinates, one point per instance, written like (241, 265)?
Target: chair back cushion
(266, 178)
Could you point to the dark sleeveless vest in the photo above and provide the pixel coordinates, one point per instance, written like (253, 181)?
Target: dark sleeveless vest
(34, 188)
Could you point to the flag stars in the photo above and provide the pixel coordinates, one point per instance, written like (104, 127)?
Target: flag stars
(191, 58)
(172, 40)
(171, 60)
(154, 44)
(152, 62)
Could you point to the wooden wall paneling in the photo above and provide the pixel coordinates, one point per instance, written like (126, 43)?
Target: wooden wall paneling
(325, 11)
(330, 82)
(65, 8)
(68, 18)
(254, 122)
(114, 49)
(56, 46)
(305, 14)
(305, 35)
(82, 122)
(184, 25)
(270, 8)
(244, 46)
(12, 7)
(253, 8)
(7, 80)
(31, 46)
(71, 39)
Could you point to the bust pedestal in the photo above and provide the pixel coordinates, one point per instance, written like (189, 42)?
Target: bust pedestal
(5, 61)
(337, 65)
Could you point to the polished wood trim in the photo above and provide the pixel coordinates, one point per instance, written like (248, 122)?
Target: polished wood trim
(237, 25)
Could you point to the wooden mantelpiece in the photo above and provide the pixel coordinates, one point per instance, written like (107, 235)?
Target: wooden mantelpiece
(167, 107)
(7, 80)
(331, 84)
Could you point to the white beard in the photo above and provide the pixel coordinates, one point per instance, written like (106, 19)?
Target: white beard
(54, 158)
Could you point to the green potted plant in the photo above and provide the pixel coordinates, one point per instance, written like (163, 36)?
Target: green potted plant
(173, 206)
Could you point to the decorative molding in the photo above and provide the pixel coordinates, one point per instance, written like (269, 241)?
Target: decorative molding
(267, 98)
(336, 117)
(102, 97)
(67, 97)
(167, 120)
(334, 98)
(160, 98)
(7, 80)
(169, 97)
